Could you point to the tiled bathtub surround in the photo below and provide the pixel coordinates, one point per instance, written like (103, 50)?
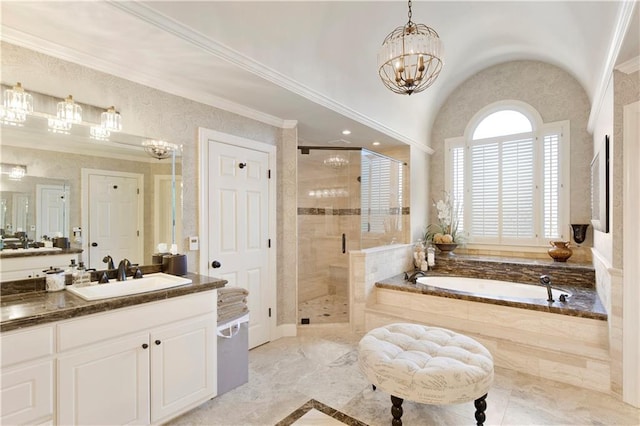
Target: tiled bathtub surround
(584, 301)
(517, 270)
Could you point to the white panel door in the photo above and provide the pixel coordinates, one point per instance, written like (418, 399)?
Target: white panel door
(238, 225)
(53, 210)
(106, 384)
(114, 227)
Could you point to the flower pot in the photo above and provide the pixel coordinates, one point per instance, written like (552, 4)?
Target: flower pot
(560, 251)
(446, 249)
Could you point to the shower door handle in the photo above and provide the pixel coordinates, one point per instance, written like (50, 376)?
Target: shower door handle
(344, 243)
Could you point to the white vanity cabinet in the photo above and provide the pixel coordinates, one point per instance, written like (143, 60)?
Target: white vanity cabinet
(27, 378)
(157, 361)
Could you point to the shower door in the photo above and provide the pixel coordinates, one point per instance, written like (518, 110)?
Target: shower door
(328, 227)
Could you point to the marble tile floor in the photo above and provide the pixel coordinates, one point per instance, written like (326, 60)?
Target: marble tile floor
(321, 364)
(328, 309)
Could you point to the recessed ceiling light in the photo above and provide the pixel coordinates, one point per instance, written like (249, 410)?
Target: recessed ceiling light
(376, 143)
(346, 132)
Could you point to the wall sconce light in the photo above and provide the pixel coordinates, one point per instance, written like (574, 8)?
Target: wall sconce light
(16, 105)
(579, 232)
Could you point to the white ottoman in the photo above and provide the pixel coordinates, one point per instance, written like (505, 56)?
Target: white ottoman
(428, 365)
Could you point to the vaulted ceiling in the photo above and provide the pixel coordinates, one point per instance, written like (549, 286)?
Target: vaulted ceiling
(315, 62)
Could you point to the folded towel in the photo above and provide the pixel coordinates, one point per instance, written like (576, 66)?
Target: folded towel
(233, 308)
(227, 316)
(231, 298)
(224, 291)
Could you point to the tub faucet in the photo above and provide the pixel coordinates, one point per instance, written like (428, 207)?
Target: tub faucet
(546, 281)
(413, 278)
(123, 266)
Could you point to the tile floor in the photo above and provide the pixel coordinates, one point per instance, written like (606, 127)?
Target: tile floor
(321, 364)
(329, 309)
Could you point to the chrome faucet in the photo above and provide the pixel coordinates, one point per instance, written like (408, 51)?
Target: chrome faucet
(123, 267)
(546, 281)
(413, 278)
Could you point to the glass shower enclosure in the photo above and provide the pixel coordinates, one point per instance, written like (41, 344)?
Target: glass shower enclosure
(348, 199)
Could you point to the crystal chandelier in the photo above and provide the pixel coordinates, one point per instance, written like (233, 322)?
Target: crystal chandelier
(410, 58)
(16, 105)
(159, 149)
(17, 172)
(69, 111)
(336, 161)
(110, 120)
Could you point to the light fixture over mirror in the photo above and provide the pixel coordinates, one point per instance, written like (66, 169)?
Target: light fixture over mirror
(18, 105)
(410, 58)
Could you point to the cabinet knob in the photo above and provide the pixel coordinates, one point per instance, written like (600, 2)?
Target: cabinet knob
(158, 342)
(145, 346)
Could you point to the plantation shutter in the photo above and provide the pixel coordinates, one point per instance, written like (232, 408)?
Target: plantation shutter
(517, 189)
(551, 186)
(484, 191)
(378, 196)
(457, 183)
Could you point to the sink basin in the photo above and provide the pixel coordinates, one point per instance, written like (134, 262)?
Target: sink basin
(150, 282)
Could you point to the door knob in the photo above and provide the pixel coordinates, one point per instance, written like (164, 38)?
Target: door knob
(215, 264)
(242, 165)
(94, 244)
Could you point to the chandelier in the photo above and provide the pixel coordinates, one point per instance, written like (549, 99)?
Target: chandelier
(69, 111)
(410, 58)
(18, 172)
(159, 149)
(336, 161)
(16, 105)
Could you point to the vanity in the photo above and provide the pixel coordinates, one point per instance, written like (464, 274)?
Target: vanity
(139, 359)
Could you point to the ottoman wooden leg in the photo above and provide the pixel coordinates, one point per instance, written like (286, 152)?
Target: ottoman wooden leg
(396, 410)
(481, 406)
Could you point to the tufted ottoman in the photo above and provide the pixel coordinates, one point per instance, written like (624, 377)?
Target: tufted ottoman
(429, 365)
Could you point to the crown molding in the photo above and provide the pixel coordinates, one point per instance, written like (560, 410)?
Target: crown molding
(249, 64)
(13, 36)
(630, 66)
(621, 26)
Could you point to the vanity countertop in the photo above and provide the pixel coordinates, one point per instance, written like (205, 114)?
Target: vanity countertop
(40, 307)
(10, 253)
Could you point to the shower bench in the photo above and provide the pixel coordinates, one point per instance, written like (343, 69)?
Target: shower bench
(428, 365)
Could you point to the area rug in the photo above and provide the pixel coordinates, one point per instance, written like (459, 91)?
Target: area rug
(307, 411)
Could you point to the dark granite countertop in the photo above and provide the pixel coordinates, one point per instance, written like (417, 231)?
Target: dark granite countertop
(584, 301)
(9, 253)
(40, 307)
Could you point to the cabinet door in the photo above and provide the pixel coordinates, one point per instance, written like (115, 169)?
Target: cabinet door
(27, 393)
(183, 366)
(105, 384)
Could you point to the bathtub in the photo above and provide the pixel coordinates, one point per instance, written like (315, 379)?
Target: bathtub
(482, 287)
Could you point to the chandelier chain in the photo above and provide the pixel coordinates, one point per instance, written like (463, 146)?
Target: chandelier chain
(409, 14)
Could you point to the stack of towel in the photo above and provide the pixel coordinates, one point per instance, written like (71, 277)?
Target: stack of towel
(232, 303)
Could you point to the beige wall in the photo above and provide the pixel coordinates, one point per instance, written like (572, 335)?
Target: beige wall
(553, 92)
(155, 114)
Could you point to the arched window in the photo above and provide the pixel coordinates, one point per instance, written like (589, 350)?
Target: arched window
(509, 177)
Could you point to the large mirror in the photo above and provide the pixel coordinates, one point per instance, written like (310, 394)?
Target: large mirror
(109, 197)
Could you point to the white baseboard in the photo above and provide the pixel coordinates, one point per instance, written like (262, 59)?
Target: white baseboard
(285, 330)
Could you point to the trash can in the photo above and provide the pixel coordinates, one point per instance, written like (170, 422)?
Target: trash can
(233, 354)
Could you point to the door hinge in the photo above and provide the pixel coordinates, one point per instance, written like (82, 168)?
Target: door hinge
(269, 174)
(138, 191)
(269, 312)
(269, 243)
(137, 233)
